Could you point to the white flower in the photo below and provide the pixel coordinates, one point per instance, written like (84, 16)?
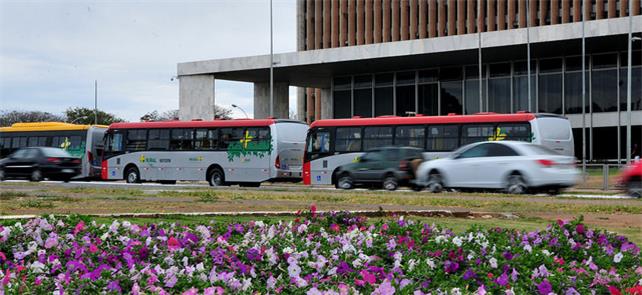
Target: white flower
(618, 257)
(493, 262)
(546, 252)
(457, 241)
(287, 250)
(455, 291)
(431, 263)
(37, 267)
(528, 248)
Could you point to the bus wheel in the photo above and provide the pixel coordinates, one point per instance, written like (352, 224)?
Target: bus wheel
(345, 181)
(36, 175)
(132, 175)
(250, 184)
(216, 177)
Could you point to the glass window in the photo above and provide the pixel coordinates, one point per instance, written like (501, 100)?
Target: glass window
(136, 140)
(636, 89)
(552, 65)
(442, 138)
(319, 142)
(451, 97)
(212, 136)
(499, 95)
(477, 133)
(429, 76)
(116, 142)
(508, 131)
(20, 154)
(573, 93)
(384, 79)
(33, 141)
(42, 141)
(342, 105)
(406, 78)
(364, 81)
(429, 99)
(374, 137)
(22, 141)
(202, 140)
(413, 136)
(384, 101)
(257, 138)
(182, 139)
(604, 91)
(500, 150)
(521, 68)
(230, 135)
(475, 152)
(446, 74)
(342, 83)
(405, 100)
(472, 72)
(472, 96)
(575, 63)
(363, 102)
(158, 140)
(348, 139)
(500, 70)
(520, 93)
(550, 93)
(602, 61)
(53, 152)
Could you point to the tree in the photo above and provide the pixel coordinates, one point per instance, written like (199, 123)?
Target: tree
(165, 116)
(7, 118)
(79, 115)
(222, 112)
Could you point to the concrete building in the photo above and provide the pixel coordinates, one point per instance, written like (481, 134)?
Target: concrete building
(379, 57)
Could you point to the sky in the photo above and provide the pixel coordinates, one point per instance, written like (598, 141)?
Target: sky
(52, 51)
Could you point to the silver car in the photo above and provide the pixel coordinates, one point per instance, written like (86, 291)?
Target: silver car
(511, 166)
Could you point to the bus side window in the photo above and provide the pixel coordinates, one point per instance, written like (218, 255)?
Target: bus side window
(158, 140)
(348, 139)
(42, 141)
(136, 140)
(201, 140)
(260, 137)
(182, 139)
(520, 132)
(374, 137)
(442, 138)
(477, 133)
(230, 135)
(212, 136)
(22, 141)
(410, 136)
(33, 141)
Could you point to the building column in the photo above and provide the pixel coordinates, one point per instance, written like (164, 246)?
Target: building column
(196, 97)
(262, 100)
(326, 103)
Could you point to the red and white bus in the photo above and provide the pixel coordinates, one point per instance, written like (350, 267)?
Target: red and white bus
(335, 142)
(242, 151)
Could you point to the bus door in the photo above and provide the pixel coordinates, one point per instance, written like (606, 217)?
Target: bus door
(317, 152)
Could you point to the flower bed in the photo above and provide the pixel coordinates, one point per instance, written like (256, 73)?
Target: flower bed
(336, 253)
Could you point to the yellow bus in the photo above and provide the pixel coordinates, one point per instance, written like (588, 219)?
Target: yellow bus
(83, 141)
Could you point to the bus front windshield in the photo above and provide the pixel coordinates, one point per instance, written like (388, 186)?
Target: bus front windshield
(318, 143)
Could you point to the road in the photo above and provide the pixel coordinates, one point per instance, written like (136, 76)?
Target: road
(151, 186)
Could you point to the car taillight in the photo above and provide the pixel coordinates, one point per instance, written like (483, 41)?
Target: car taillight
(53, 160)
(277, 162)
(403, 165)
(76, 161)
(546, 163)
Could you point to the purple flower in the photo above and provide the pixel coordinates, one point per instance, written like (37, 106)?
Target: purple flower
(254, 254)
(508, 255)
(344, 268)
(544, 287)
(469, 274)
(114, 286)
(502, 280)
(513, 275)
(384, 289)
(451, 266)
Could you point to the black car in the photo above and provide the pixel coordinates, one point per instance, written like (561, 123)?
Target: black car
(389, 167)
(38, 163)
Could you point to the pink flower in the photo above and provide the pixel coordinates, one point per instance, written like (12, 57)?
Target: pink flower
(313, 210)
(191, 291)
(335, 227)
(93, 248)
(173, 244)
(368, 277)
(79, 227)
(213, 291)
(384, 289)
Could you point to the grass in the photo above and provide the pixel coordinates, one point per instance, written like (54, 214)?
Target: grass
(39, 204)
(8, 195)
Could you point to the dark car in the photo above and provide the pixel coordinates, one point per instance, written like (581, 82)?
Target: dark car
(38, 163)
(389, 167)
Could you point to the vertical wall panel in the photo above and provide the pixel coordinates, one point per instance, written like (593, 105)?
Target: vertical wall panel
(543, 12)
(423, 19)
(555, 12)
(501, 15)
(441, 18)
(599, 9)
(413, 19)
(432, 18)
(624, 6)
(395, 20)
(343, 22)
(327, 23)
(612, 9)
(387, 27)
(317, 104)
(318, 25)
(351, 22)
(588, 9)
(368, 18)
(636, 7)
(309, 92)
(522, 13)
(451, 21)
(461, 17)
(403, 23)
(490, 19)
(360, 22)
(532, 13)
(471, 12)
(377, 21)
(335, 23)
(577, 11)
(481, 18)
(511, 14)
(309, 25)
(566, 11)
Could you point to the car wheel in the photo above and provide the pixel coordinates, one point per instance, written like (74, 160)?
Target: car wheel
(516, 184)
(390, 183)
(36, 175)
(2, 175)
(345, 181)
(634, 188)
(435, 183)
(132, 175)
(216, 177)
(554, 191)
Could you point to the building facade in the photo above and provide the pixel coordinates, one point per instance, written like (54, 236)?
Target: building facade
(373, 58)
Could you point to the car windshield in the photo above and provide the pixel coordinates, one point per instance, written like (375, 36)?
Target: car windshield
(539, 150)
(54, 152)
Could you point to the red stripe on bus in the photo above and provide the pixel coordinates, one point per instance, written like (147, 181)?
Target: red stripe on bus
(392, 120)
(195, 124)
(307, 179)
(104, 173)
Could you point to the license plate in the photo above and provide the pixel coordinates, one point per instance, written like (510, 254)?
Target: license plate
(67, 170)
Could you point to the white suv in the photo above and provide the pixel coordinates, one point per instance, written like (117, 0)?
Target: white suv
(512, 166)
